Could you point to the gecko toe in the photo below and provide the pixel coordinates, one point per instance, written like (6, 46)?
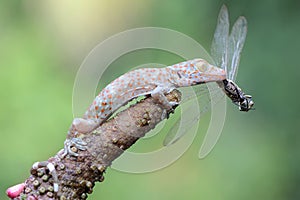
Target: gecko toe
(173, 103)
(78, 143)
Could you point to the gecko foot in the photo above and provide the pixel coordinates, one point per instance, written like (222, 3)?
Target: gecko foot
(170, 105)
(78, 143)
(51, 169)
(173, 103)
(171, 109)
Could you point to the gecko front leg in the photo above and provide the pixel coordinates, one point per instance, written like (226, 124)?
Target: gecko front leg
(83, 126)
(159, 94)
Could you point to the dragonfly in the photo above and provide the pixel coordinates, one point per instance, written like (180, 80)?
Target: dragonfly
(226, 51)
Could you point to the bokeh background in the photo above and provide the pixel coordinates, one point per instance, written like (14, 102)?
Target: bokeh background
(43, 43)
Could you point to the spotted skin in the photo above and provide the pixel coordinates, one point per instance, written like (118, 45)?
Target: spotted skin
(148, 81)
(143, 81)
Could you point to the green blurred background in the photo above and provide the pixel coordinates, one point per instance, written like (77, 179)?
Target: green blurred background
(43, 43)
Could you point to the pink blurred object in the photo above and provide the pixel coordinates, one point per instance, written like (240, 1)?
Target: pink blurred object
(15, 191)
(31, 198)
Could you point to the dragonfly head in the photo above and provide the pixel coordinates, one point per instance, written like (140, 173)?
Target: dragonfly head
(246, 104)
(208, 72)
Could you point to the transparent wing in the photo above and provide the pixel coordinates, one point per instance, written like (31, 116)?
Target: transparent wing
(200, 95)
(181, 125)
(220, 40)
(232, 53)
(197, 91)
(236, 43)
(220, 54)
(220, 57)
(225, 50)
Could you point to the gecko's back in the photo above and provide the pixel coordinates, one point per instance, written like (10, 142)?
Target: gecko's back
(148, 80)
(123, 89)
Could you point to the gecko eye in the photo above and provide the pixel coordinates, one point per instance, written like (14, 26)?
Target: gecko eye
(202, 66)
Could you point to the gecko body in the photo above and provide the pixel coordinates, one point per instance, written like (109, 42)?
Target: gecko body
(147, 81)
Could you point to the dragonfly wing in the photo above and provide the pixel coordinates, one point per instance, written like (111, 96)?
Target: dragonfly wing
(220, 40)
(190, 114)
(197, 91)
(217, 119)
(236, 43)
(183, 123)
(220, 54)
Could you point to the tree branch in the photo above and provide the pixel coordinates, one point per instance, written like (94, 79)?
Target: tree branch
(77, 175)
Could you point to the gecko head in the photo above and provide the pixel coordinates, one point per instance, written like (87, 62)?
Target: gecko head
(196, 71)
(208, 72)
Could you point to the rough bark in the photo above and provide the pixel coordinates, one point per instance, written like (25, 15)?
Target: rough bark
(77, 175)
